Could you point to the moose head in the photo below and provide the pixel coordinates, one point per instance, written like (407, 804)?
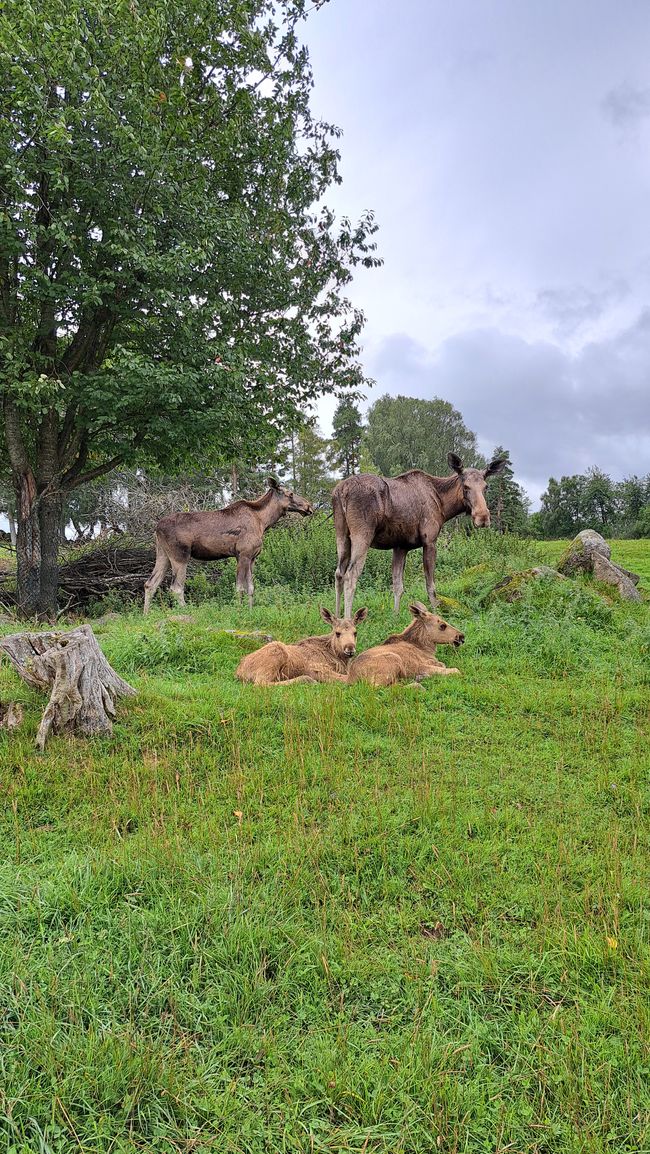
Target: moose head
(474, 483)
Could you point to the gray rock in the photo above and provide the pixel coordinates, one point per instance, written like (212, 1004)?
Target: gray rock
(604, 570)
(590, 553)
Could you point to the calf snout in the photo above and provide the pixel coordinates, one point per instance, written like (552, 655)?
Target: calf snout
(459, 640)
(349, 650)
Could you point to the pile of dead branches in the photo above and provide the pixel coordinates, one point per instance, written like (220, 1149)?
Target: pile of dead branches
(94, 573)
(113, 568)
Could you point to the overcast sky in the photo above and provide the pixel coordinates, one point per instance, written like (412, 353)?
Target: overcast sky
(505, 148)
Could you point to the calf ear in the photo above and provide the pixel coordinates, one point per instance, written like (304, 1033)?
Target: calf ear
(360, 615)
(454, 462)
(496, 466)
(418, 609)
(326, 615)
(274, 483)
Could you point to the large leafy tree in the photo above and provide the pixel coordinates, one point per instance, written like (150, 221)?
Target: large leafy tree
(167, 288)
(406, 433)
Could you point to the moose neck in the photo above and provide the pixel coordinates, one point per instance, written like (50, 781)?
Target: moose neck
(451, 497)
(271, 510)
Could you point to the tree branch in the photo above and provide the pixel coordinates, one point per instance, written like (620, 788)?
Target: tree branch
(74, 477)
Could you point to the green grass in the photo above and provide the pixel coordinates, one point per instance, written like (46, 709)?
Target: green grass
(323, 918)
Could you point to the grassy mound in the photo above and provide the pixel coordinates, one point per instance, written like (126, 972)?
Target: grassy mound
(324, 918)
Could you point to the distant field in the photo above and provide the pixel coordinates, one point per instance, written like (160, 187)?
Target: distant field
(328, 919)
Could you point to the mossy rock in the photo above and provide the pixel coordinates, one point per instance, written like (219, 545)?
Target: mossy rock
(451, 605)
(511, 588)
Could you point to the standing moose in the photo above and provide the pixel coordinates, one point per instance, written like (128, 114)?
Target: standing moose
(402, 513)
(236, 531)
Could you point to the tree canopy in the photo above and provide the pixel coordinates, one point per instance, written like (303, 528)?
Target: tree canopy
(407, 433)
(168, 289)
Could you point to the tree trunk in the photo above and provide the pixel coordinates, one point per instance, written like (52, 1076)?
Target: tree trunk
(49, 515)
(28, 545)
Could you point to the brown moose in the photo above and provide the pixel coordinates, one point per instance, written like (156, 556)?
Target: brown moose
(410, 655)
(312, 659)
(236, 531)
(402, 513)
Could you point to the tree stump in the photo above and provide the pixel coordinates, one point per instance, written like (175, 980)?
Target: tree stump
(83, 685)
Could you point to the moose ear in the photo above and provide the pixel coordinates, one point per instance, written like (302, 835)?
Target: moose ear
(274, 483)
(418, 609)
(496, 466)
(360, 615)
(327, 615)
(454, 462)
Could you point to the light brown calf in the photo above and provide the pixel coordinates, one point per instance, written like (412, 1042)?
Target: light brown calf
(408, 655)
(312, 659)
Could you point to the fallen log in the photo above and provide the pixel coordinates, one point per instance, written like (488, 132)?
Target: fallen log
(83, 685)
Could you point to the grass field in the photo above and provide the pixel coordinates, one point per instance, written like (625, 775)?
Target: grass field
(323, 918)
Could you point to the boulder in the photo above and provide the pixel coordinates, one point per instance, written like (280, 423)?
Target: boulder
(590, 553)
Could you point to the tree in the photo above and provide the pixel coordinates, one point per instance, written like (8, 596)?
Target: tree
(507, 501)
(306, 463)
(632, 495)
(599, 502)
(561, 512)
(642, 524)
(167, 289)
(406, 433)
(347, 427)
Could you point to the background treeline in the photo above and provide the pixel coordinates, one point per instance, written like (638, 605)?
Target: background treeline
(398, 433)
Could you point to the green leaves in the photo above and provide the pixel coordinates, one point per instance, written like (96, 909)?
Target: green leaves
(161, 262)
(408, 433)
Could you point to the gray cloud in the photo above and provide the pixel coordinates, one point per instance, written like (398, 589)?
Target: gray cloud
(499, 145)
(626, 105)
(571, 308)
(555, 412)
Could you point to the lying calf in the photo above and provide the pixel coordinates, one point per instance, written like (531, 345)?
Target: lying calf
(313, 659)
(407, 655)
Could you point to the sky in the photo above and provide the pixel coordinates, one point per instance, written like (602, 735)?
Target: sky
(504, 146)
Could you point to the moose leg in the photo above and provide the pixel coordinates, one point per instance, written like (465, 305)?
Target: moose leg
(429, 562)
(154, 582)
(358, 555)
(177, 587)
(399, 561)
(242, 580)
(249, 583)
(341, 570)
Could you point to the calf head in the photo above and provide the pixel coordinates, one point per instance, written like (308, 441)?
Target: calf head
(432, 630)
(344, 632)
(291, 502)
(474, 482)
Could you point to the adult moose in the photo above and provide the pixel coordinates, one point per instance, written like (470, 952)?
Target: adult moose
(236, 531)
(402, 513)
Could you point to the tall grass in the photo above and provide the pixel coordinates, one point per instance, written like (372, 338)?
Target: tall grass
(329, 918)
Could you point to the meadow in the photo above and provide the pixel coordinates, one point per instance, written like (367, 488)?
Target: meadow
(329, 918)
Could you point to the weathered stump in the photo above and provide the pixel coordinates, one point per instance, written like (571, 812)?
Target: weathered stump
(83, 685)
(590, 553)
